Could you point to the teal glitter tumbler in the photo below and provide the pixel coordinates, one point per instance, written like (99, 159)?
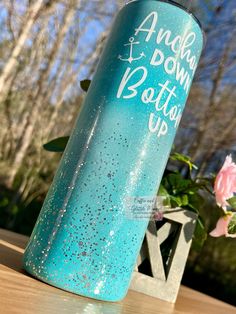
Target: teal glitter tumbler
(87, 238)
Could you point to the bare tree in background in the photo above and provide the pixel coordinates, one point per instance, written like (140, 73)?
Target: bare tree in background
(210, 114)
(53, 45)
(10, 67)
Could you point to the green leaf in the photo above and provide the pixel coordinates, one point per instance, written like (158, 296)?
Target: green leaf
(178, 183)
(200, 235)
(185, 159)
(85, 85)
(56, 145)
(179, 201)
(15, 210)
(232, 225)
(164, 193)
(193, 208)
(195, 201)
(4, 202)
(184, 199)
(232, 202)
(175, 201)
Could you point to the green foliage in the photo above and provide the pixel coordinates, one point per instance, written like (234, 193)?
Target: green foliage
(164, 193)
(232, 225)
(20, 216)
(200, 235)
(232, 202)
(185, 159)
(85, 85)
(184, 192)
(57, 145)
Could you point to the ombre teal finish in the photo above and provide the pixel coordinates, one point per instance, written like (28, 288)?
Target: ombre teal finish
(84, 241)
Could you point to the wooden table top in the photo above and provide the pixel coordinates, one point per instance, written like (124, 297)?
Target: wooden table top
(20, 293)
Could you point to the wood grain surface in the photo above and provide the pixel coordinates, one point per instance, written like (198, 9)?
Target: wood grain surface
(20, 293)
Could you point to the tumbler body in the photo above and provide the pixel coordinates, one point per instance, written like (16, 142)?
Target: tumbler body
(84, 241)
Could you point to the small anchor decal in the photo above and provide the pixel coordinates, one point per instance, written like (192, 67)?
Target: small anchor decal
(131, 58)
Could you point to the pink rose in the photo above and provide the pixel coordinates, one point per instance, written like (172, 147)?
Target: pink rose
(225, 183)
(158, 216)
(222, 227)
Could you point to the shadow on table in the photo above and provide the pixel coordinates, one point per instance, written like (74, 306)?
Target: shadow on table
(10, 257)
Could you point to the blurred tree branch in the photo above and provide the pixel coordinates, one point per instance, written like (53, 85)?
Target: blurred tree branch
(12, 63)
